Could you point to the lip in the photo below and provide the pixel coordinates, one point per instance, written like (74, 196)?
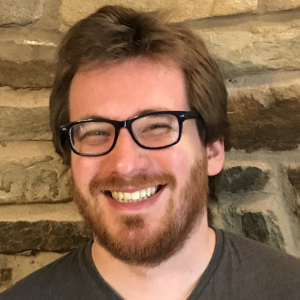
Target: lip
(134, 206)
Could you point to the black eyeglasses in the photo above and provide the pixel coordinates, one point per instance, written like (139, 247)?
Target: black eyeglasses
(98, 136)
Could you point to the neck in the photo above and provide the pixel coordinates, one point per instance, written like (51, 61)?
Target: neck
(172, 279)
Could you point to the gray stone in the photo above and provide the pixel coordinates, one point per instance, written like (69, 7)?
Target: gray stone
(255, 227)
(31, 173)
(243, 180)
(294, 200)
(294, 178)
(262, 227)
(42, 236)
(20, 12)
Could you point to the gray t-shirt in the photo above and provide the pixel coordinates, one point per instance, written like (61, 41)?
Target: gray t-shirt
(239, 269)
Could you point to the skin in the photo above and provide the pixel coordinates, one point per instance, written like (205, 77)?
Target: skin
(121, 92)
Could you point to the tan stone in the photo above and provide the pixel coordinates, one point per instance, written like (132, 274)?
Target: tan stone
(262, 116)
(71, 10)
(253, 47)
(277, 5)
(50, 17)
(20, 12)
(232, 7)
(18, 109)
(31, 172)
(26, 58)
(62, 212)
(20, 266)
(257, 48)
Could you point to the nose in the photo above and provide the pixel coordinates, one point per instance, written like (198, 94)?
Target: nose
(127, 158)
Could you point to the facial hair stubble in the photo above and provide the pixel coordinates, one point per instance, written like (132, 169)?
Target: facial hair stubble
(136, 245)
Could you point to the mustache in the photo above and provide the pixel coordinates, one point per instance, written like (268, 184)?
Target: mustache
(115, 182)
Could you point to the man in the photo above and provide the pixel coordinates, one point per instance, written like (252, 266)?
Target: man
(138, 112)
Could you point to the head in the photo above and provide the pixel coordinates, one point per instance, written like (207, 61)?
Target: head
(115, 64)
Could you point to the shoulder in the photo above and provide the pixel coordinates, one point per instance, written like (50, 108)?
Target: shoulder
(261, 266)
(49, 280)
(255, 252)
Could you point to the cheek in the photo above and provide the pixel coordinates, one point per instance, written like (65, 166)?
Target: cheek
(177, 162)
(84, 169)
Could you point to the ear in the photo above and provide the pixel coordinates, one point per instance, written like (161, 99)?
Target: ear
(215, 157)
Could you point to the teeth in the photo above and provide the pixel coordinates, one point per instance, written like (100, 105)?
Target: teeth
(127, 196)
(136, 196)
(143, 193)
(118, 195)
(148, 191)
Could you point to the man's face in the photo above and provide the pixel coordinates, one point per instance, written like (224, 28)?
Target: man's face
(149, 231)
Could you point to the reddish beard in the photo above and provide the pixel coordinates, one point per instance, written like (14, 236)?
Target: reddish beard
(135, 244)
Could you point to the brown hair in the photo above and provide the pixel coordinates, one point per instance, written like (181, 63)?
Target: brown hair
(113, 34)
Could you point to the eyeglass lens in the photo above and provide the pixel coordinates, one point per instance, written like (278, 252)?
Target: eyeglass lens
(151, 131)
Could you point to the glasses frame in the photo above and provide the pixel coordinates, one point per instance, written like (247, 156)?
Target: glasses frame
(65, 130)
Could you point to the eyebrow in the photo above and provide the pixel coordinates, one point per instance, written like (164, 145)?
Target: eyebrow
(138, 113)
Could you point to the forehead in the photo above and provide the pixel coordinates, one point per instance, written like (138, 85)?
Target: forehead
(123, 90)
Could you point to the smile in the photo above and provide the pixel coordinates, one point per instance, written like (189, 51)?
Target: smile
(137, 196)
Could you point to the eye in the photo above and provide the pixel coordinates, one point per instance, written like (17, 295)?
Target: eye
(157, 126)
(96, 132)
(93, 133)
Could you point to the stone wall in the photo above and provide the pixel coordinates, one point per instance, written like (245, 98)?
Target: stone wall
(257, 45)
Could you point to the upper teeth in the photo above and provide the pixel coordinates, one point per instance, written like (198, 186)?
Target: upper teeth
(136, 196)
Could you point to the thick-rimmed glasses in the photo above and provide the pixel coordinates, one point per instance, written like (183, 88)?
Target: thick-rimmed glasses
(154, 130)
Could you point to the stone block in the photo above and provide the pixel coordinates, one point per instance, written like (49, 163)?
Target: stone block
(27, 74)
(42, 236)
(50, 19)
(52, 227)
(5, 276)
(256, 47)
(71, 10)
(30, 173)
(243, 180)
(15, 267)
(18, 109)
(262, 116)
(278, 5)
(26, 58)
(294, 200)
(262, 227)
(255, 227)
(232, 7)
(20, 12)
(294, 178)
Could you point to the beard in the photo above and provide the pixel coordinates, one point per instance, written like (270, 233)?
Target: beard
(135, 244)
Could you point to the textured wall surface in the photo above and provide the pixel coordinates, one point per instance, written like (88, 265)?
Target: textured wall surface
(257, 46)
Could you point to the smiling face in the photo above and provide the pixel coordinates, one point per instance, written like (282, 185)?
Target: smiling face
(141, 204)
